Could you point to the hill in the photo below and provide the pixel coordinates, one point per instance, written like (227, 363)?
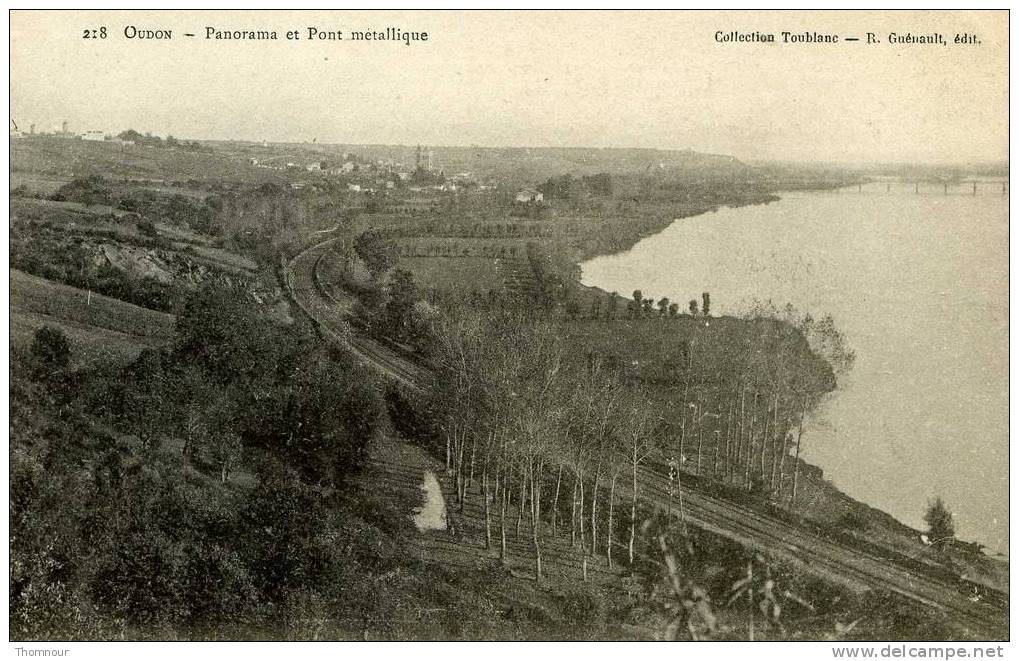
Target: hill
(99, 328)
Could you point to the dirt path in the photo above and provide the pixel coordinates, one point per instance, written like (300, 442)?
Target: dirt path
(431, 515)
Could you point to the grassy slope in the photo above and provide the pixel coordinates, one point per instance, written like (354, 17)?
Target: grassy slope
(72, 216)
(98, 327)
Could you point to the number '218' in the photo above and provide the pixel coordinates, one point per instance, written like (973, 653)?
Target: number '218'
(94, 34)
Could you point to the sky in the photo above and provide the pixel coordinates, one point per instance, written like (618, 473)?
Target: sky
(593, 79)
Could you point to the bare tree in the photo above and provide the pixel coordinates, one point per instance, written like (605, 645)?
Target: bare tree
(640, 434)
(796, 465)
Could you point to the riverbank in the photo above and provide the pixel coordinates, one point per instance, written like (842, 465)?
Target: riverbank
(746, 255)
(655, 346)
(607, 235)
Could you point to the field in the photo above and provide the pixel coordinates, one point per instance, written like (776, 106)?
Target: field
(34, 207)
(37, 183)
(98, 327)
(455, 274)
(43, 158)
(427, 246)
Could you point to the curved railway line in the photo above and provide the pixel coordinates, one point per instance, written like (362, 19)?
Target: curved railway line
(984, 619)
(329, 313)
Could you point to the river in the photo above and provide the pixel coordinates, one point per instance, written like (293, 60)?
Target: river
(918, 281)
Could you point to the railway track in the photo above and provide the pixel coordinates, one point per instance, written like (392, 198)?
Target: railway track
(330, 311)
(984, 619)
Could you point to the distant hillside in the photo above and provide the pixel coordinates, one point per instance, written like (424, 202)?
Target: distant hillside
(528, 164)
(65, 159)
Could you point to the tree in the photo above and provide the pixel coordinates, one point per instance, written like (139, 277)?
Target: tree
(281, 520)
(796, 465)
(195, 394)
(328, 419)
(639, 442)
(403, 293)
(227, 448)
(379, 255)
(144, 398)
(219, 331)
(706, 304)
(637, 299)
(51, 350)
(663, 306)
(941, 528)
(597, 398)
(693, 306)
(762, 594)
(557, 188)
(598, 184)
(673, 309)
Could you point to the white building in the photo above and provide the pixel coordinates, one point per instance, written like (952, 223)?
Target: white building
(527, 195)
(94, 136)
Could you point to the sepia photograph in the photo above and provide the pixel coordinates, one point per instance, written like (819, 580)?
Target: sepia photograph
(509, 325)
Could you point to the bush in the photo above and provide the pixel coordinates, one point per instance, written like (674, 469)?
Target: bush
(139, 581)
(148, 228)
(91, 190)
(853, 520)
(51, 349)
(583, 609)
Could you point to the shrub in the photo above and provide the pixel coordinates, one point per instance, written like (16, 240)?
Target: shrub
(148, 228)
(583, 609)
(50, 350)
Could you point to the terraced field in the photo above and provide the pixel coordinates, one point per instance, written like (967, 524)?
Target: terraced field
(98, 328)
(456, 273)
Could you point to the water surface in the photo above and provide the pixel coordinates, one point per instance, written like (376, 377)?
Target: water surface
(919, 284)
(432, 514)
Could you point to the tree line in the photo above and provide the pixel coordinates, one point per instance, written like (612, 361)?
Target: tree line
(541, 428)
(537, 432)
